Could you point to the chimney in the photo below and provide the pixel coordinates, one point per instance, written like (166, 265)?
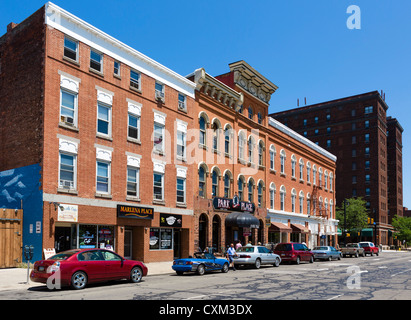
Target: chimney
(11, 26)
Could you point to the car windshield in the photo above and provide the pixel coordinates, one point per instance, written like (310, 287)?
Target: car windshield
(246, 249)
(63, 255)
(321, 248)
(283, 247)
(364, 244)
(352, 245)
(203, 255)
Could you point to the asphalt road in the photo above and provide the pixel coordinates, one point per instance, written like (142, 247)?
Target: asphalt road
(386, 277)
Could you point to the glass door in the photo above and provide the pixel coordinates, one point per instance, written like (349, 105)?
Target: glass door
(128, 241)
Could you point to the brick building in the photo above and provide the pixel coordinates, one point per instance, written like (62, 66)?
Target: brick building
(101, 123)
(369, 152)
(106, 155)
(245, 157)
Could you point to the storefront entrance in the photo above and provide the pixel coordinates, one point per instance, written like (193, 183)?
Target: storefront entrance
(62, 239)
(128, 244)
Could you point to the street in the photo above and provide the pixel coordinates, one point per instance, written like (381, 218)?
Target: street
(383, 277)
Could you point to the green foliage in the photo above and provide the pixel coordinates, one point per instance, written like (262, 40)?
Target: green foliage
(356, 214)
(402, 226)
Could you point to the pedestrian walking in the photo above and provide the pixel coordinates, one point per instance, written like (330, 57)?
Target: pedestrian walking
(238, 245)
(230, 255)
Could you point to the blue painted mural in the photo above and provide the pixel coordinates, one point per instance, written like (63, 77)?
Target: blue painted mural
(21, 188)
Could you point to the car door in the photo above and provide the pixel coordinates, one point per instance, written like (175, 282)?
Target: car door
(114, 264)
(305, 252)
(262, 254)
(92, 262)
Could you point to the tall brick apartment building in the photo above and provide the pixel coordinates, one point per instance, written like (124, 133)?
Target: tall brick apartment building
(368, 148)
(89, 127)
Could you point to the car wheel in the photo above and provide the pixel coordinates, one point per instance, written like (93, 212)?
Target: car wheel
(330, 258)
(312, 259)
(357, 255)
(225, 268)
(377, 254)
(180, 273)
(298, 260)
(257, 263)
(277, 262)
(339, 257)
(136, 274)
(200, 270)
(78, 280)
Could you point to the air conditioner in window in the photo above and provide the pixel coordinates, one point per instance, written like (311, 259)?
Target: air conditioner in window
(67, 120)
(181, 105)
(67, 184)
(160, 95)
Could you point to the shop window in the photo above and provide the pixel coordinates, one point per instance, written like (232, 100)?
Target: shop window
(161, 239)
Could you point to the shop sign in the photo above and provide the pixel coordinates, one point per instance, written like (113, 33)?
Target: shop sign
(67, 213)
(49, 252)
(233, 205)
(134, 212)
(171, 220)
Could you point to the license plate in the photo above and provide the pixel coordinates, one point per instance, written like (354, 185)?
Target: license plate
(41, 268)
(180, 262)
(283, 254)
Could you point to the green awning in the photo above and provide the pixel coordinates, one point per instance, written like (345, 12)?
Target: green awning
(367, 232)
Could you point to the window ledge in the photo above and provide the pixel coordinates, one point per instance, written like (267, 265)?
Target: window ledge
(134, 140)
(71, 61)
(69, 191)
(102, 136)
(132, 198)
(160, 202)
(66, 126)
(103, 195)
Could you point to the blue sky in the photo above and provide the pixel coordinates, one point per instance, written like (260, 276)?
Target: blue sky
(304, 47)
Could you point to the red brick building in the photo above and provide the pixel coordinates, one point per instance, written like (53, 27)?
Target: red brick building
(369, 152)
(246, 156)
(102, 121)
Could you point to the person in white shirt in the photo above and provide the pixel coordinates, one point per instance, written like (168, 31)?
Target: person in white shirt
(230, 255)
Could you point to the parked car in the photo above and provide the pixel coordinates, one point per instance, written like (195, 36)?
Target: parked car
(256, 256)
(353, 249)
(326, 253)
(79, 267)
(200, 263)
(369, 248)
(295, 252)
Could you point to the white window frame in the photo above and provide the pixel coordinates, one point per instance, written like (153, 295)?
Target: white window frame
(109, 107)
(74, 185)
(101, 62)
(75, 116)
(77, 48)
(108, 177)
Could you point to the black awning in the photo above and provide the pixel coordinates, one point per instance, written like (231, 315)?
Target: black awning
(242, 219)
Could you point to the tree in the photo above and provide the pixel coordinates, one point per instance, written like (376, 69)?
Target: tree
(403, 226)
(356, 214)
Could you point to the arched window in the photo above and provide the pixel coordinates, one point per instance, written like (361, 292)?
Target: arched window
(301, 163)
(326, 180)
(320, 177)
(214, 178)
(293, 165)
(261, 153)
(250, 190)
(227, 184)
(308, 172)
(272, 195)
(301, 198)
(293, 197)
(202, 187)
(308, 203)
(216, 134)
(227, 139)
(260, 194)
(251, 145)
(314, 174)
(282, 160)
(250, 113)
(272, 157)
(241, 145)
(203, 126)
(282, 198)
(331, 181)
(241, 183)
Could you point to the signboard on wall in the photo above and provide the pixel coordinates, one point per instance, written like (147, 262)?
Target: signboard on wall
(233, 205)
(124, 211)
(67, 213)
(171, 220)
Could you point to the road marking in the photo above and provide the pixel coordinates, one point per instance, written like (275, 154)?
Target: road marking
(335, 297)
(396, 274)
(383, 267)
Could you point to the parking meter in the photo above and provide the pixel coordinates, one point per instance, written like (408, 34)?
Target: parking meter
(28, 255)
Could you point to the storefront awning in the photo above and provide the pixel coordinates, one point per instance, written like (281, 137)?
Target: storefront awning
(242, 219)
(280, 227)
(367, 232)
(298, 228)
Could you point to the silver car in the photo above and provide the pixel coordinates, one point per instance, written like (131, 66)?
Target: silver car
(326, 253)
(256, 256)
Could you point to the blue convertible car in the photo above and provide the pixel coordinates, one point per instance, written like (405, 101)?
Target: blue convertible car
(201, 263)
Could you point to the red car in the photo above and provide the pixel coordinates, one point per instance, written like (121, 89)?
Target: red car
(78, 267)
(295, 252)
(369, 248)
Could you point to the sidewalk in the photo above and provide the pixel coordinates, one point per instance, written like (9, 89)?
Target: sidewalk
(16, 278)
